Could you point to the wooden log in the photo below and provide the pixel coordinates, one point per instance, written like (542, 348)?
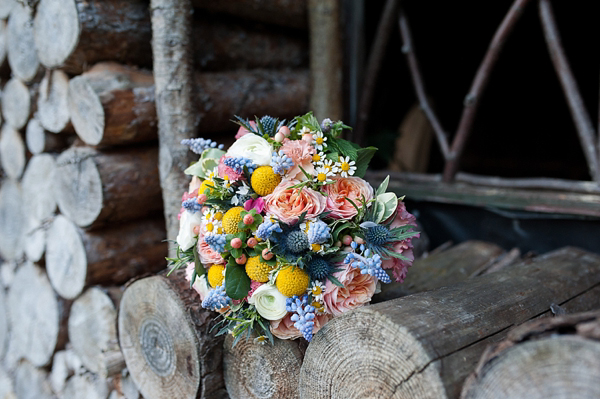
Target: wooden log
(125, 388)
(4, 67)
(7, 272)
(547, 358)
(37, 183)
(12, 152)
(16, 103)
(75, 34)
(4, 327)
(60, 372)
(12, 220)
(166, 340)
(291, 14)
(87, 386)
(38, 140)
(113, 104)
(6, 7)
(32, 382)
(424, 345)
(52, 103)
(93, 333)
(34, 239)
(22, 55)
(93, 188)
(76, 258)
(38, 319)
(7, 390)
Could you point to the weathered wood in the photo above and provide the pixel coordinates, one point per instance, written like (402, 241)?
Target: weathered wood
(87, 386)
(4, 67)
(32, 382)
(288, 13)
(38, 140)
(4, 327)
(112, 104)
(12, 152)
(413, 145)
(16, 103)
(52, 103)
(76, 258)
(325, 59)
(37, 183)
(22, 55)
(12, 220)
(171, 48)
(125, 388)
(75, 34)
(60, 372)
(93, 333)
(424, 345)
(37, 317)
(34, 239)
(93, 188)
(166, 340)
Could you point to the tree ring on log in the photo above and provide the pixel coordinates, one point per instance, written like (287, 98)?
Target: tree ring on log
(158, 341)
(57, 29)
(87, 113)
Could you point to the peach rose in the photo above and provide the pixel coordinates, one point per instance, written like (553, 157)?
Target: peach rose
(206, 254)
(358, 289)
(346, 187)
(301, 153)
(287, 204)
(405, 247)
(284, 328)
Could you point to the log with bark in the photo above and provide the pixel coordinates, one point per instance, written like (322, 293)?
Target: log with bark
(22, 55)
(76, 258)
(167, 341)
(95, 188)
(52, 102)
(39, 140)
(424, 345)
(12, 220)
(12, 152)
(548, 358)
(17, 102)
(93, 331)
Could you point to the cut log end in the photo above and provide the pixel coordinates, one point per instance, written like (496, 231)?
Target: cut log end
(3, 324)
(22, 54)
(32, 382)
(86, 111)
(12, 152)
(16, 103)
(56, 31)
(85, 386)
(52, 104)
(12, 220)
(37, 185)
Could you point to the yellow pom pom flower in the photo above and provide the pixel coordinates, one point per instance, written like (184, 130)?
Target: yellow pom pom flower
(264, 180)
(215, 275)
(292, 281)
(206, 184)
(231, 219)
(257, 269)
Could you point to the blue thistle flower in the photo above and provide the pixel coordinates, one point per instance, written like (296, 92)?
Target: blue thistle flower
(318, 268)
(318, 232)
(303, 316)
(377, 235)
(216, 242)
(216, 299)
(238, 163)
(297, 241)
(267, 228)
(191, 205)
(268, 123)
(199, 145)
(281, 163)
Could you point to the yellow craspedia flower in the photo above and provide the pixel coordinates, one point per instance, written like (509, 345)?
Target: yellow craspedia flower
(292, 281)
(231, 219)
(206, 184)
(264, 180)
(215, 275)
(257, 269)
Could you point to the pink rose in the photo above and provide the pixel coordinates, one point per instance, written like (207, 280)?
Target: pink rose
(206, 254)
(225, 170)
(354, 188)
(242, 131)
(284, 328)
(358, 289)
(287, 204)
(405, 247)
(301, 153)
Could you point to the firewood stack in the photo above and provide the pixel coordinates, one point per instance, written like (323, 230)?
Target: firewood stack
(80, 198)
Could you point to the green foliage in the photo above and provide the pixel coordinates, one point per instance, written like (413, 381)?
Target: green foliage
(362, 160)
(237, 282)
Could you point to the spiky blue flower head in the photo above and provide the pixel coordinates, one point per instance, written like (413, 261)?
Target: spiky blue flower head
(377, 235)
(199, 145)
(216, 299)
(297, 241)
(216, 242)
(318, 268)
(304, 315)
(326, 125)
(281, 162)
(318, 232)
(238, 163)
(191, 205)
(268, 123)
(267, 228)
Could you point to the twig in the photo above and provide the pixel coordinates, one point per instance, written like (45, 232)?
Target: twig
(579, 114)
(473, 98)
(413, 66)
(384, 31)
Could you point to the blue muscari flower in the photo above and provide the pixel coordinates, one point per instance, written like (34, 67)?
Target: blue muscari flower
(216, 299)
(318, 232)
(368, 264)
(281, 163)
(303, 316)
(191, 205)
(216, 242)
(238, 164)
(199, 145)
(266, 228)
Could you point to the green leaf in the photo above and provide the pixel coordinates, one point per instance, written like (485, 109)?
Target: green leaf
(363, 159)
(199, 267)
(338, 230)
(237, 282)
(390, 204)
(333, 156)
(193, 279)
(383, 186)
(335, 281)
(347, 149)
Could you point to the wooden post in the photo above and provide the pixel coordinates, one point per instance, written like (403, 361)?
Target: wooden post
(424, 345)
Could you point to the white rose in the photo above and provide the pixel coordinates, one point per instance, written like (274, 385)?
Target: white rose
(186, 237)
(269, 302)
(201, 286)
(253, 147)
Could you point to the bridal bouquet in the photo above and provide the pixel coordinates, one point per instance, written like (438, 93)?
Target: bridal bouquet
(280, 233)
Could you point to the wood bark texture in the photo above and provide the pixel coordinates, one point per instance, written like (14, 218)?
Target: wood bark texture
(16, 103)
(95, 188)
(166, 340)
(171, 35)
(76, 258)
(75, 34)
(32, 382)
(325, 59)
(424, 345)
(12, 152)
(22, 55)
(39, 140)
(288, 13)
(112, 104)
(52, 102)
(12, 220)
(548, 358)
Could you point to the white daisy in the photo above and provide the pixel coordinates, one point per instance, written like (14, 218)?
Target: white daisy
(346, 167)
(318, 158)
(322, 175)
(211, 221)
(317, 290)
(319, 141)
(305, 130)
(212, 174)
(330, 166)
